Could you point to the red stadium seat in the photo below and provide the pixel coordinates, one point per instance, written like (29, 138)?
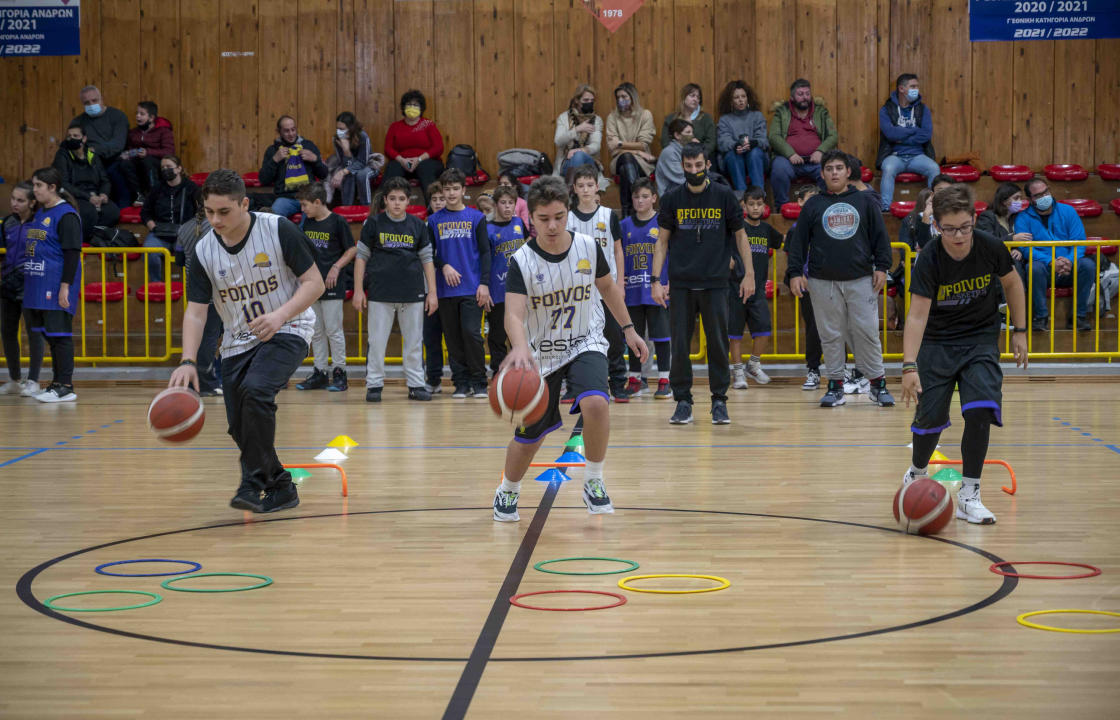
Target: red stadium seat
(252, 179)
(199, 178)
(130, 215)
(103, 292)
(1065, 172)
(1063, 292)
(527, 179)
(791, 211)
(1115, 205)
(961, 173)
(353, 213)
(981, 206)
(157, 292)
(1084, 207)
(765, 212)
(296, 218)
(771, 290)
(909, 177)
(418, 210)
(892, 291)
(349, 294)
(902, 208)
(479, 178)
(865, 174)
(1105, 249)
(1109, 171)
(1010, 173)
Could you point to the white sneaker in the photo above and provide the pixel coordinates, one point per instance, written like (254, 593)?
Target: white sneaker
(754, 369)
(909, 477)
(812, 380)
(595, 497)
(30, 388)
(12, 387)
(971, 509)
(505, 506)
(57, 393)
(857, 386)
(738, 377)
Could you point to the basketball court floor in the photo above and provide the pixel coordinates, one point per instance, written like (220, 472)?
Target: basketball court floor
(393, 602)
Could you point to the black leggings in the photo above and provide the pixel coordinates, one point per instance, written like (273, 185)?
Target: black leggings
(628, 171)
(426, 173)
(10, 313)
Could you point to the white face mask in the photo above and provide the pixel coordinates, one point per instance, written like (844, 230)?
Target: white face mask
(340, 133)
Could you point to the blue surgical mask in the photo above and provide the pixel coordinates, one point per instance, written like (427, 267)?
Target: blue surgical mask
(94, 109)
(912, 94)
(1044, 203)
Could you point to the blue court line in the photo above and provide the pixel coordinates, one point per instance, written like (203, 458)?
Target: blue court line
(13, 461)
(1113, 448)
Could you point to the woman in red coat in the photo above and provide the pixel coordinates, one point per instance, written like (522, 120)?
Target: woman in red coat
(414, 145)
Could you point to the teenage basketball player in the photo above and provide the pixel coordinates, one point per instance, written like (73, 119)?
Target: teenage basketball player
(260, 274)
(951, 340)
(554, 319)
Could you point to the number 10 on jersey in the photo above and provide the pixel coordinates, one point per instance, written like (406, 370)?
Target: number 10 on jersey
(252, 310)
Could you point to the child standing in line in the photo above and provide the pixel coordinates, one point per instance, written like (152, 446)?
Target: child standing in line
(507, 233)
(754, 312)
(433, 330)
(812, 340)
(521, 209)
(639, 235)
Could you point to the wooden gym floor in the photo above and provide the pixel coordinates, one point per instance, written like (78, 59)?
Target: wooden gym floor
(391, 604)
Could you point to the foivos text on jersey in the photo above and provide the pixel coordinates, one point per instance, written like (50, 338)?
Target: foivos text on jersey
(239, 293)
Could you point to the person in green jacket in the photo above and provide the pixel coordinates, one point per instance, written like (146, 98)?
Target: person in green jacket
(703, 127)
(801, 131)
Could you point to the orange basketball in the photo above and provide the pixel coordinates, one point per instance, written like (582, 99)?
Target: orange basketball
(519, 396)
(923, 507)
(176, 415)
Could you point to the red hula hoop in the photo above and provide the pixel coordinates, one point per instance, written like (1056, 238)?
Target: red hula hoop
(620, 598)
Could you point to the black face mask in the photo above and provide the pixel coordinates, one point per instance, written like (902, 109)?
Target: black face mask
(169, 174)
(71, 144)
(587, 108)
(696, 179)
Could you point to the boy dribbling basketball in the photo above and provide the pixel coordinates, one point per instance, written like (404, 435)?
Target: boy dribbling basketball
(554, 320)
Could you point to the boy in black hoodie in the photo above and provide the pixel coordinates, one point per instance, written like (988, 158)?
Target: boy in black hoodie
(842, 236)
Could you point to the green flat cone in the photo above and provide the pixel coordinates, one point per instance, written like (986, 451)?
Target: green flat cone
(948, 475)
(299, 475)
(575, 444)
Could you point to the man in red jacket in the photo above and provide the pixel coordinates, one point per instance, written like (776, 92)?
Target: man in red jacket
(148, 142)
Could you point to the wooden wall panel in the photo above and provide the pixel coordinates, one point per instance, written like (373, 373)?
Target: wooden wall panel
(239, 146)
(910, 38)
(692, 51)
(495, 68)
(775, 43)
(120, 54)
(574, 38)
(855, 105)
(653, 32)
(46, 124)
(376, 102)
(198, 129)
(1032, 136)
(614, 63)
(85, 69)
(948, 92)
(160, 42)
(1107, 133)
(455, 72)
(318, 38)
(13, 91)
(733, 46)
(413, 61)
(539, 98)
(1074, 91)
(346, 77)
(993, 97)
(816, 45)
(278, 78)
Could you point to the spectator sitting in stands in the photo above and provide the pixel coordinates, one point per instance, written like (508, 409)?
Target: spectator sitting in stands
(290, 162)
(106, 130)
(801, 131)
(669, 173)
(703, 127)
(579, 135)
(148, 142)
(630, 132)
(741, 133)
(352, 153)
(916, 229)
(855, 168)
(999, 222)
(84, 177)
(941, 181)
(1047, 220)
(905, 137)
(173, 201)
(414, 145)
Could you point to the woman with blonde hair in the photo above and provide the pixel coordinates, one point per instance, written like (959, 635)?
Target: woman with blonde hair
(630, 133)
(691, 109)
(579, 133)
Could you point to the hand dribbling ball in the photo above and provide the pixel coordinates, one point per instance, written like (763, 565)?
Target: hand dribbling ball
(519, 396)
(176, 415)
(923, 507)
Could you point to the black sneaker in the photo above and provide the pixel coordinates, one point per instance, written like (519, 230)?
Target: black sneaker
(317, 380)
(1041, 324)
(1083, 324)
(719, 413)
(247, 499)
(621, 394)
(461, 391)
(338, 381)
(479, 391)
(373, 394)
(416, 393)
(683, 414)
(880, 394)
(835, 395)
(282, 497)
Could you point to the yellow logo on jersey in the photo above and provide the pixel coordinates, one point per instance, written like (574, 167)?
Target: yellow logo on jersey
(517, 230)
(601, 226)
(654, 232)
(262, 261)
(583, 267)
(46, 222)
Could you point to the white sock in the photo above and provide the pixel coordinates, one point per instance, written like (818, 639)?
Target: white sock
(918, 472)
(507, 486)
(633, 375)
(593, 470)
(970, 487)
(662, 376)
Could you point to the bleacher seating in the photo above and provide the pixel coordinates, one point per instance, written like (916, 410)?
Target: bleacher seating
(1109, 171)
(481, 177)
(909, 177)
(961, 173)
(130, 215)
(791, 211)
(252, 179)
(1065, 173)
(902, 208)
(1115, 205)
(96, 292)
(199, 178)
(157, 292)
(1011, 173)
(1085, 207)
(418, 210)
(353, 213)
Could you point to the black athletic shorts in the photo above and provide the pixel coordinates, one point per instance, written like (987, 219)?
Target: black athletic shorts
(753, 314)
(52, 323)
(652, 319)
(586, 375)
(941, 368)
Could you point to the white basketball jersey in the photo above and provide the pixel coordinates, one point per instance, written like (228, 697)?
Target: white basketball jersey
(565, 315)
(252, 282)
(598, 228)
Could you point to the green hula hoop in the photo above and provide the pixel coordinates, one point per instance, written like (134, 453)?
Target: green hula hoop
(632, 566)
(166, 584)
(49, 602)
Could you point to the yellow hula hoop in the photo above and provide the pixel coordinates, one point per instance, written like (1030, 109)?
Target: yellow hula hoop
(1022, 620)
(724, 584)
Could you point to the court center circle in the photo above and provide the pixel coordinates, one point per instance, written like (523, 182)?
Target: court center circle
(515, 600)
(265, 582)
(100, 569)
(49, 602)
(630, 563)
(1094, 571)
(624, 583)
(1022, 620)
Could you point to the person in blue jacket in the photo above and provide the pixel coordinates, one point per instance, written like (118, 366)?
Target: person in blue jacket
(905, 137)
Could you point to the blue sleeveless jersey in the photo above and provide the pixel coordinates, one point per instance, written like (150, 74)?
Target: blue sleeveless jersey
(638, 239)
(42, 270)
(504, 241)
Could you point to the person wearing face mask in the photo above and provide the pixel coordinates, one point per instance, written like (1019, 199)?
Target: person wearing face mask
(172, 202)
(150, 140)
(414, 145)
(801, 131)
(1047, 220)
(290, 162)
(579, 134)
(107, 131)
(905, 137)
(741, 133)
(630, 132)
(999, 221)
(352, 155)
(84, 177)
(690, 109)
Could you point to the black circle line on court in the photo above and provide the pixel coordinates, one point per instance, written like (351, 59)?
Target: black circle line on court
(23, 590)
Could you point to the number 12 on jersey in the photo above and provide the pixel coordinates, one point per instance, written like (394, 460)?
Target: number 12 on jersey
(558, 313)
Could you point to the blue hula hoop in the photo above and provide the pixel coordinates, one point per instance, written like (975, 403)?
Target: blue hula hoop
(100, 569)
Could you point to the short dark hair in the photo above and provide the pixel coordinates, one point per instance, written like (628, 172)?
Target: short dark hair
(312, 192)
(804, 192)
(399, 183)
(281, 119)
(584, 172)
(754, 193)
(452, 176)
(504, 191)
(149, 107)
(546, 190)
(855, 167)
(678, 125)
(693, 149)
(414, 96)
(1004, 193)
(958, 198)
(1034, 181)
(223, 182)
(943, 178)
(642, 183)
(76, 123)
(833, 155)
(436, 188)
(904, 78)
(799, 83)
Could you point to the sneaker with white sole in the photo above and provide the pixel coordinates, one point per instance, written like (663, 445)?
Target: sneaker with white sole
(719, 413)
(909, 476)
(56, 393)
(880, 395)
(461, 391)
(634, 387)
(812, 380)
(595, 497)
(12, 387)
(505, 506)
(683, 414)
(754, 369)
(663, 392)
(971, 509)
(31, 388)
(433, 389)
(738, 376)
(835, 395)
(856, 384)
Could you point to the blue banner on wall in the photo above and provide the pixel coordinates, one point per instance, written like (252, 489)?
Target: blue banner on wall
(1043, 19)
(30, 28)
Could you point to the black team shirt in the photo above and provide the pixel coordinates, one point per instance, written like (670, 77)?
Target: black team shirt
(964, 307)
(330, 238)
(395, 271)
(703, 227)
(842, 236)
(763, 239)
